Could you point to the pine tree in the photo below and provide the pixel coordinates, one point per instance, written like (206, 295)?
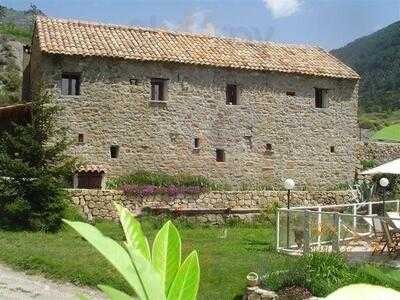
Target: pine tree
(33, 169)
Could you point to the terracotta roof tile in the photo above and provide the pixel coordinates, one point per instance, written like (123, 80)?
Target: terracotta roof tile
(92, 39)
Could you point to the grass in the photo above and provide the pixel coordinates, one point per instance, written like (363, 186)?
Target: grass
(66, 256)
(390, 133)
(225, 262)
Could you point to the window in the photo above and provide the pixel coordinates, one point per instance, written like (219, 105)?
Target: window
(80, 138)
(196, 143)
(220, 155)
(231, 94)
(291, 93)
(321, 100)
(268, 147)
(114, 151)
(70, 84)
(133, 81)
(158, 89)
(332, 149)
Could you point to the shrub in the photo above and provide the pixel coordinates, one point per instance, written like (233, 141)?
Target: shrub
(160, 179)
(321, 273)
(368, 163)
(33, 165)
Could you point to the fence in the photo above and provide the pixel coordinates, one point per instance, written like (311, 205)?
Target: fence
(330, 227)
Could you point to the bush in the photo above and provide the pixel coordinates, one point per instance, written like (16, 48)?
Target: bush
(33, 166)
(321, 273)
(368, 164)
(159, 179)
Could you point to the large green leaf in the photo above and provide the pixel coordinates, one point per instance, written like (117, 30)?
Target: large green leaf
(143, 266)
(186, 282)
(141, 279)
(133, 231)
(166, 254)
(114, 294)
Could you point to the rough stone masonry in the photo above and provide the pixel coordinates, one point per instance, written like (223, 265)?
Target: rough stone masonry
(274, 132)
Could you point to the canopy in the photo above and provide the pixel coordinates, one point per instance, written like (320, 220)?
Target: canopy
(392, 167)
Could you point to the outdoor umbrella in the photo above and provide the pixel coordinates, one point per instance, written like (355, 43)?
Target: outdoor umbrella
(392, 167)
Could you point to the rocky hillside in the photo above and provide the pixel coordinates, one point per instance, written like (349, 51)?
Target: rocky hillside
(10, 70)
(376, 58)
(15, 31)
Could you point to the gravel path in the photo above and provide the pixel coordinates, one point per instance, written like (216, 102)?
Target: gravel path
(17, 285)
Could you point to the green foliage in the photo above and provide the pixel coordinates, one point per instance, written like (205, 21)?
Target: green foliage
(268, 214)
(33, 165)
(19, 33)
(323, 273)
(390, 133)
(160, 179)
(376, 58)
(368, 164)
(11, 82)
(161, 277)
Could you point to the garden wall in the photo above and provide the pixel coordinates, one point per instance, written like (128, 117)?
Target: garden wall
(208, 207)
(380, 152)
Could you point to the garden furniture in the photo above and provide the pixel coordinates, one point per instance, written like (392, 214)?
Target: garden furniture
(392, 238)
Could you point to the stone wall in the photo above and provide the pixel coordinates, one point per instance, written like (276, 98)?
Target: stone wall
(211, 206)
(159, 136)
(380, 152)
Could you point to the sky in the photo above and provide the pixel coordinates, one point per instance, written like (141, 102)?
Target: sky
(329, 24)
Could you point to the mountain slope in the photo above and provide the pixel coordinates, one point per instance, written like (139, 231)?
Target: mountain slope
(15, 30)
(376, 58)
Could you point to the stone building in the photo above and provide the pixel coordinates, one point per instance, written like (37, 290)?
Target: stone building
(235, 111)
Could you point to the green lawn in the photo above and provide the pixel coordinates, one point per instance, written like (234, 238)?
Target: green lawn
(390, 133)
(225, 262)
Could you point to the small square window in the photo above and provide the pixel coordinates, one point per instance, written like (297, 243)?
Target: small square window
(231, 94)
(332, 149)
(196, 143)
(158, 89)
(220, 155)
(80, 138)
(268, 147)
(70, 84)
(133, 81)
(321, 100)
(114, 151)
(291, 93)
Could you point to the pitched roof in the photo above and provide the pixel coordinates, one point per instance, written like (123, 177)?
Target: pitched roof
(92, 39)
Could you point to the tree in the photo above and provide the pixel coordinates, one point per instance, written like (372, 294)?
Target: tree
(33, 168)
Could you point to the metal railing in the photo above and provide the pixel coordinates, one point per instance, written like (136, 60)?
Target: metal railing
(311, 227)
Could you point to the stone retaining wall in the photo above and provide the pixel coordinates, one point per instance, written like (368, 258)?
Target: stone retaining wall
(380, 152)
(211, 206)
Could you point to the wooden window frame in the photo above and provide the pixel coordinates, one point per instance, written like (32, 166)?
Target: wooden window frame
(70, 77)
(232, 95)
(321, 100)
(162, 84)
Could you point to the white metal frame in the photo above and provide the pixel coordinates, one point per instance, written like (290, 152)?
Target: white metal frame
(319, 210)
